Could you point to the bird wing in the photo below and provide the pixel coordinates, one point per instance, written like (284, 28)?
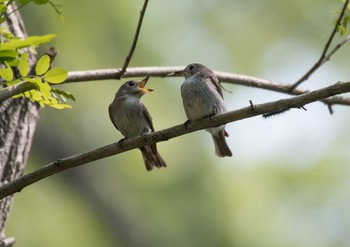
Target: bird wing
(149, 120)
(216, 83)
(110, 112)
(147, 117)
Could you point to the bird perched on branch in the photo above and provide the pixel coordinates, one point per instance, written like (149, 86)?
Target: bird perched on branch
(132, 119)
(202, 97)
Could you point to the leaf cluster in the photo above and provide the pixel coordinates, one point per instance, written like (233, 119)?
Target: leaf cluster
(15, 67)
(5, 3)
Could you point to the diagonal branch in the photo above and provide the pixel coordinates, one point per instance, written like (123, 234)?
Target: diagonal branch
(169, 133)
(324, 57)
(134, 42)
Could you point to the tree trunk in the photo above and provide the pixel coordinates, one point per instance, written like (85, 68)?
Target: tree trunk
(18, 118)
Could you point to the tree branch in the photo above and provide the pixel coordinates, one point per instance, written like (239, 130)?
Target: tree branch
(169, 133)
(134, 42)
(244, 80)
(324, 57)
(109, 74)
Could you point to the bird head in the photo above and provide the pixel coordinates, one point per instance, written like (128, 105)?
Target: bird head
(190, 70)
(136, 88)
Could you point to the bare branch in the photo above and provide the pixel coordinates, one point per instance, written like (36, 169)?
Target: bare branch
(108, 74)
(336, 48)
(324, 57)
(250, 81)
(134, 42)
(166, 134)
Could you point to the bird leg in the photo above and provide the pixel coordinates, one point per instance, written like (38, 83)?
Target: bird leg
(187, 124)
(120, 142)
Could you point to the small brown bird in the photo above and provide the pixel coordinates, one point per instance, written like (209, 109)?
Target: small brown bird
(202, 97)
(132, 119)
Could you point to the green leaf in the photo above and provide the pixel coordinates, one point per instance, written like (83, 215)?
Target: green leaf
(3, 8)
(6, 33)
(23, 65)
(43, 87)
(65, 94)
(60, 106)
(42, 65)
(6, 73)
(9, 56)
(9, 53)
(10, 83)
(27, 42)
(56, 75)
(35, 95)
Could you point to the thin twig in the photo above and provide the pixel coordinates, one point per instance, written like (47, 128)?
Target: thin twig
(324, 57)
(336, 48)
(166, 134)
(134, 42)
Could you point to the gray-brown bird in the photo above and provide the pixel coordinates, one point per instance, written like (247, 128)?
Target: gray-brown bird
(132, 118)
(202, 97)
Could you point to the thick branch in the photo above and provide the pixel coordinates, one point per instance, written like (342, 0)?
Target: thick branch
(166, 134)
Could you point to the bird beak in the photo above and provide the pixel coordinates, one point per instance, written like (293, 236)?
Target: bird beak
(142, 85)
(175, 73)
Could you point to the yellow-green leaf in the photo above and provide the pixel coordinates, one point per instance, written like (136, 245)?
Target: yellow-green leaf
(8, 54)
(43, 87)
(60, 106)
(56, 75)
(42, 65)
(23, 65)
(6, 73)
(65, 94)
(26, 42)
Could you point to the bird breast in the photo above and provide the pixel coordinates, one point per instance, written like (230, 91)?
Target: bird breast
(201, 99)
(130, 119)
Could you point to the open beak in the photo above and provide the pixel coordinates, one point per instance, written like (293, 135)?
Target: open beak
(142, 85)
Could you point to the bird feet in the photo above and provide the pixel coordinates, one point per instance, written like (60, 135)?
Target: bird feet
(187, 124)
(120, 142)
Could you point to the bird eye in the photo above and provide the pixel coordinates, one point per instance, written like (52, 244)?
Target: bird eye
(191, 67)
(131, 83)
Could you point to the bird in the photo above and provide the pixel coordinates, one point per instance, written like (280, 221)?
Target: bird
(202, 97)
(130, 116)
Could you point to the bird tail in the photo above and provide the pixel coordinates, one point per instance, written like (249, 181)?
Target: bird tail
(221, 147)
(151, 157)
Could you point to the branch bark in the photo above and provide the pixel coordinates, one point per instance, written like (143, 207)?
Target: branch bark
(169, 133)
(225, 77)
(18, 118)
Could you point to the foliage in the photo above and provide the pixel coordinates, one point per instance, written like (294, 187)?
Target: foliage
(342, 28)
(14, 58)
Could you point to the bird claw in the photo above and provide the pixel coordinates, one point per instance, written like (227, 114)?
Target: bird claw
(187, 124)
(120, 142)
(144, 136)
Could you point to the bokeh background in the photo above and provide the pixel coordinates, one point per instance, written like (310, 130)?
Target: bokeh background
(288, 182)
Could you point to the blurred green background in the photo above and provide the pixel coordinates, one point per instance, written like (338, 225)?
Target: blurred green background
(288, 182)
